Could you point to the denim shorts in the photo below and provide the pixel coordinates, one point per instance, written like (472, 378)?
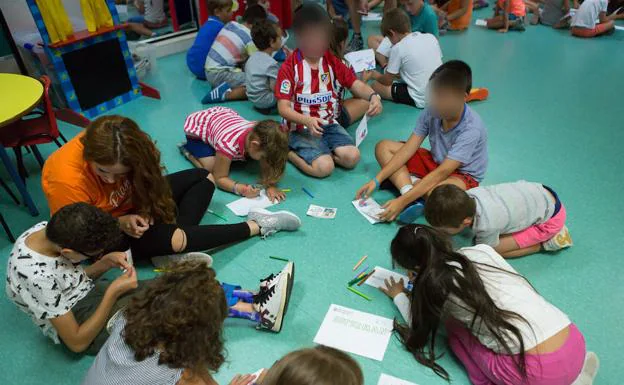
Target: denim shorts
(198, 148)
(310, 147)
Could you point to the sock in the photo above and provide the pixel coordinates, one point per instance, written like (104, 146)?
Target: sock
(253, 316)
(405, 189)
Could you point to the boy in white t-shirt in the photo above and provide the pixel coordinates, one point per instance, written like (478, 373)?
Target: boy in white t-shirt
(413, 58)
(584, 21)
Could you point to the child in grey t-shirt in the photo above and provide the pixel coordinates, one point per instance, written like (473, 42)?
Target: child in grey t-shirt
(516, 219)
(261, 69)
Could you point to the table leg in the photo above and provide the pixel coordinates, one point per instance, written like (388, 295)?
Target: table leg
(18, 182)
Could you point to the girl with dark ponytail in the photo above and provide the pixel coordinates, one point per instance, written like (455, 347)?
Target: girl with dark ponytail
(499, 327)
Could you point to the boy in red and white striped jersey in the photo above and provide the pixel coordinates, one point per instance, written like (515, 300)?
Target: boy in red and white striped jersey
(306, 91)
(219, 135)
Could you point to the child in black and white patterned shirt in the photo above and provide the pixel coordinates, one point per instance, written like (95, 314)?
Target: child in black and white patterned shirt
(46, 281)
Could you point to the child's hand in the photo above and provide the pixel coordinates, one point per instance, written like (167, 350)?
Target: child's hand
(125, 282)
(374, 106)
(275, 194)
(116, 259)
(367, 75)
(365, 191)
(315, 125)
(240, 379)
(503, 30)
(249, 191)
(392, 288)
(133, 225)
(392, 209)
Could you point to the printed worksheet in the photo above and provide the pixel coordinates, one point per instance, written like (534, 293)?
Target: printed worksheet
(361, 131)
(381, 274)
(322, 212)
(361, 60)
(355, 332)
(242, 206)
(369, 209)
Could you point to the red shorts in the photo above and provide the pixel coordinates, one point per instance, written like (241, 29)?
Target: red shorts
(422, 163)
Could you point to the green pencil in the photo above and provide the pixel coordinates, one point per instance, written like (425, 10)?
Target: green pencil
(356, 279)
(359, 293)
(217, 215)
(279, 259)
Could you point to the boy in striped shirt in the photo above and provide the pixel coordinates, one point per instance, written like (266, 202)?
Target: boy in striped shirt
(306, 91)
(231, 48)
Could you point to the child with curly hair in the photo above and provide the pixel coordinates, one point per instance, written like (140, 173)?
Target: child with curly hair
(172, 332)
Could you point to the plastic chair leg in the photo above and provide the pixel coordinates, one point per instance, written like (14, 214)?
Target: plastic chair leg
(18, 182)
(19, 159)
(7, 230)
(38, 156)
(9, 191)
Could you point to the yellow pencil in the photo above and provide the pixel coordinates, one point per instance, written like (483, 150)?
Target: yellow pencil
(286, 190)
(360, 262)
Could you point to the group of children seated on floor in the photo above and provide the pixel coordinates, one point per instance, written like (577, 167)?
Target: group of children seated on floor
(107, 194)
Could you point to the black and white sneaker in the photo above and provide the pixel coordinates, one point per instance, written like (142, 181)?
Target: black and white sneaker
(271, 304)
(272, 279)
(356, 43)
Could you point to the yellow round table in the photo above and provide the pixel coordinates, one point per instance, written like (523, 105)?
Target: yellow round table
(18, 95)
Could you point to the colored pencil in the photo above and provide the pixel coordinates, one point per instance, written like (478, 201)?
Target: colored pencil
(354, 280)
(360, 262)
(217, 215)
(361, 271)
(359, 293)
(286, 190)
(366, 278)
(160, 270)
(305, 190)
(279, 259)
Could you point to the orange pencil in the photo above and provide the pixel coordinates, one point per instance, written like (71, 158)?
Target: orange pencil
(360, 262)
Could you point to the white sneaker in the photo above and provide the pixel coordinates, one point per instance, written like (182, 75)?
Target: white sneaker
(163, 261)
(560, 241)
(590, 369)
(270, 223)
(272, 303)
(272, 279)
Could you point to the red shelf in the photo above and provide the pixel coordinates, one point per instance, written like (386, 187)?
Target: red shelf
(84, 35)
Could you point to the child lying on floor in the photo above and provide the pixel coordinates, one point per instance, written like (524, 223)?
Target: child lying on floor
(219, 135)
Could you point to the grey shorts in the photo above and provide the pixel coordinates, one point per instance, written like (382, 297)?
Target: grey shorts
(226, 75)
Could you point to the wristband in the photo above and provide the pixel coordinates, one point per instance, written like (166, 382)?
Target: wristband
(234, 190)
(376, 183)
(373, 94)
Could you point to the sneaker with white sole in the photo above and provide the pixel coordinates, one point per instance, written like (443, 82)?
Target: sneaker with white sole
(589, 371)
(560, 241)
(272, 303)
(270, 223)
(163, 261)
(272, 279)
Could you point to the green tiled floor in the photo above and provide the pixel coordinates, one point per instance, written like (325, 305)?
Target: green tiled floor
(554, 116)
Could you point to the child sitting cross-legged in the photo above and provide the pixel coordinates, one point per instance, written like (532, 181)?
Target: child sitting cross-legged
(227, 56)
(217, 136)
(172, 331)
(508, 14)
(516, 219)
(413, 58)
(500, 328)
(261, 68)
(591, 19)
(306, 93)
(458, 140)
(68, 302)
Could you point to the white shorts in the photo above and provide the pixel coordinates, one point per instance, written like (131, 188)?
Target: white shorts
(384, 47)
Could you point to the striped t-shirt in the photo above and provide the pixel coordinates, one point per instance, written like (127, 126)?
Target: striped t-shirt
(313, 92)
(232, 46)
(222, 128)
(115, 364)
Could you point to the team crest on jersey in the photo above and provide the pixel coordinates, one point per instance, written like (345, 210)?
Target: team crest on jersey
(325, 77)
(285, 87)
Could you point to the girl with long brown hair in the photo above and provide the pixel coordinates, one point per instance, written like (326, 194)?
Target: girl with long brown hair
(498, 326)
(115, 166)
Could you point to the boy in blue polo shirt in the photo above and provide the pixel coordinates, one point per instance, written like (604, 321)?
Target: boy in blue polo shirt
(220, 12)
(458, 155)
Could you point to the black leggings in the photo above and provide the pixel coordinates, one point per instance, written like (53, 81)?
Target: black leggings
(192, 192)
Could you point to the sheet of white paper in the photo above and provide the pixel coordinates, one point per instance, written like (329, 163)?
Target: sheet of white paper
(619, 27)
(386, 379)
(377, 279)
(129, 257)
(372, 16)
(242, 206)
(361, 60)
(481, 23)
(369, 209)
(257, 374)
(361, 131)
(322, 212)
(355, 332)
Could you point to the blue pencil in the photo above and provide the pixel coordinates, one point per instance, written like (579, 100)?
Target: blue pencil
(305, 190)
(361, 271)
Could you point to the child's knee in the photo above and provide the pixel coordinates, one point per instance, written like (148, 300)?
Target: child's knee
(382, 148)
(373, 41)
(323, 166)
(349, 157)
(178, 241)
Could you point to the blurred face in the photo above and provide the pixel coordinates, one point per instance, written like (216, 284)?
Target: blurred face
(313, 41)
(254, 150)
(77, 256)
(109, 174)
(452, 230)
(447, 103)
(412, 6)
(276, 45)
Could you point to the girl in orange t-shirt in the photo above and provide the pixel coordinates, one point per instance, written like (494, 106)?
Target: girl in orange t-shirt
(508, 14)
(116, 167)
(458, 14)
